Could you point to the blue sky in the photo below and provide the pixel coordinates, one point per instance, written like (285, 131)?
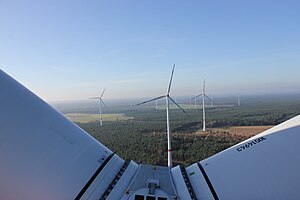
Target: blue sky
(65, 50)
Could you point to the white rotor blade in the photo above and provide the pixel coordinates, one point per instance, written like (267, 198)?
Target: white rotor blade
(170, 83)
(55, 160)
(208, 97)
(103, 102)
(179, 107)
(197, 96)
(150, 100)
(102, 93)
(203, 89)
(95, 98)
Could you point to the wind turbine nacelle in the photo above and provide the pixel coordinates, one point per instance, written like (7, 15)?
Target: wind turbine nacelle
(43, 155)
(265, 166)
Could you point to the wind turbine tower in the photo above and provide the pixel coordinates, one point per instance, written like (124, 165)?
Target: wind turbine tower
(100, 105)
(203, 94)
(168, 98)
(238, 100)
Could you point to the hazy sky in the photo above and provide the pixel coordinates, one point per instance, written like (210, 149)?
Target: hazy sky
(65, 50)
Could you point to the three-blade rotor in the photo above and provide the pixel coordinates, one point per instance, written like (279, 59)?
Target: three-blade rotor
(100, 105)
(167, 95)
(203, 93)
(100, 97)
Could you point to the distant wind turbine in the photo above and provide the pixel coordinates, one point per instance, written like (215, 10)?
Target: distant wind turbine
(203, 94)
(238, 100)
(100, 105)
(168, 98)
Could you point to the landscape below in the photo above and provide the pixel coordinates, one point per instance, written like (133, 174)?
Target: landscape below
(139, 133)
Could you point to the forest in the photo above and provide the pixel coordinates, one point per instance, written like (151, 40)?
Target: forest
(142, 136)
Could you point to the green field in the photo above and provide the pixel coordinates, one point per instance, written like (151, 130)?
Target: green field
(86, 118)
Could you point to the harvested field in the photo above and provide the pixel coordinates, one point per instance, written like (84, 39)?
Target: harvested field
(246, 131)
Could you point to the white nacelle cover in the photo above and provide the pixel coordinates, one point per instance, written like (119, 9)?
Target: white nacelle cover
(265, 166)
(42, 154)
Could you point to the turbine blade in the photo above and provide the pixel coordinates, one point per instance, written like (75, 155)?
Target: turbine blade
(95, 98)
(208, 98)
(197, 96)
(103, 102)
(203, 89)
(102, 93)
(150, 100)
(170, 83)
(179, 106)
